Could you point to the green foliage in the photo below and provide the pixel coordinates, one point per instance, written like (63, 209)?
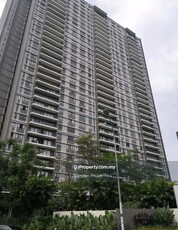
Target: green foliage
(38, 223)
(157, 193)
(25, 192)
(76, 222)
(88, 194)
(163, 217)
(88, 148)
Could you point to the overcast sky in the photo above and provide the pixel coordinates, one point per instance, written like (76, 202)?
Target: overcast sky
(155, 22)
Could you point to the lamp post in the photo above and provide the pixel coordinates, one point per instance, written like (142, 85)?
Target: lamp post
(106, 112)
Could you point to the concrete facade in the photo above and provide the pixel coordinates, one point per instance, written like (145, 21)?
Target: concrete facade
(71, 62)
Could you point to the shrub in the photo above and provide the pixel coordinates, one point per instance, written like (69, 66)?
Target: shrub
(75, 222)
(163, 217)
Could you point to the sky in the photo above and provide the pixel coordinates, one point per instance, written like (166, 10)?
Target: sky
(155, 22)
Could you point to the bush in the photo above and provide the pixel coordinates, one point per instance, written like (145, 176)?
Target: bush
(163, 217)
(75, 222)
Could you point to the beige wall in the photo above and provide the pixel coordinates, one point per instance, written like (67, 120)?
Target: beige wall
(176, 215)
(68, 213)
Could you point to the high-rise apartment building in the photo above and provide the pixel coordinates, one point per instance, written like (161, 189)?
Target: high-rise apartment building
(62, 62)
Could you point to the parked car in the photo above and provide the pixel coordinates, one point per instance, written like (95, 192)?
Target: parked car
(15, 227)
(5, 227)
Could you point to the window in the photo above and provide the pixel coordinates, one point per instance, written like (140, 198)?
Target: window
(22, 117)
(70, 139)
(71, 115)
(74, 63)
(82, 118)
(70, 130)
(71, 106)
(82, 67)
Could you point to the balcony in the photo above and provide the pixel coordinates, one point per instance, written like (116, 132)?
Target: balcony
(104, 68)
(153, 159)
(150, 139)
(50, 59)
(100, 61)
(105, 95)
(49, 32)
(106, 133)
(152, 153)
(132, 42)
(43, 124)
(45, 98)
(104, 59)
(144, 106)
(53, 39)
(98, 30)
(137, 72)
(111, 119)
(101, 43)
(44, 74)
(44, 156)
(60, 4)
(43, 115)
(134, 52)
(97, 17)
(106, 141)
(149, 122)
(47, 92)
(151, 134)
(105, 84)
(104, 100)
(104, 41)
(104, 73)
(136, 62)
(42, 145)
(51, 53)
(148, 127)
(104, 78)
(48, 85)
(145, 101)
(38, 134)
(140, 81)
(142, 91)
(58, 13)
(50, 66)
(145, 111)
(111, 114)
(104, 89)
(46, 168)
(151, 146)
(136, 76)
(145, 116)
(54, 19)
(109, 148)
(59, 27)
(52, 42)
(102, 53)
(46, 107)
(106, 106)
(102, 25)
(140, 86)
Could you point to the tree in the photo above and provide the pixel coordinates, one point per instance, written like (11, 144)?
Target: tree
(157, 193)
(98, 190)
(88, 148)
(22, 192)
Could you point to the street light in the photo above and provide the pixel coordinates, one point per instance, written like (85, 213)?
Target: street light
(106, 112)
